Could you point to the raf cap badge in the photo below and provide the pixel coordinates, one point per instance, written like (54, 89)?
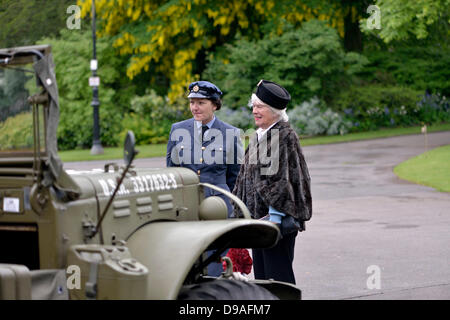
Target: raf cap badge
(195, 88)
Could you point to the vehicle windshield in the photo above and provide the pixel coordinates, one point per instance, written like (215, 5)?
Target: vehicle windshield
(17, 83)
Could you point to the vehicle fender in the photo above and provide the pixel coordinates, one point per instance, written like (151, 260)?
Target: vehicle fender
(170, 249)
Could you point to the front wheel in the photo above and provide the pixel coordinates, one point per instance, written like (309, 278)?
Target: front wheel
(225, 290)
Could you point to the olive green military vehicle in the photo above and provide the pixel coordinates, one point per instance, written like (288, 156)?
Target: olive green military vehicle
(115, 233)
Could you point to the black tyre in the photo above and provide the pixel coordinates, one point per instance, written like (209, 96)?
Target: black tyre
(225, 290)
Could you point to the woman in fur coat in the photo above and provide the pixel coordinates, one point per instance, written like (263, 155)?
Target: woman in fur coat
(274, 181)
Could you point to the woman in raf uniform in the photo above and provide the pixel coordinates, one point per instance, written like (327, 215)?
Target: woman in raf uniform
(206, 145)
(276, 187)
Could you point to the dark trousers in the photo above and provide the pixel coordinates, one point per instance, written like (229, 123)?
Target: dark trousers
(215, 269)
(276, 262)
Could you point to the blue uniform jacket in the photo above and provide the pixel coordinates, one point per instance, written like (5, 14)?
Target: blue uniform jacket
(216, 159)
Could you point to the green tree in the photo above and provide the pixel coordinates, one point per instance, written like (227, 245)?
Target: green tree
(172, 39)
(72, 53)
(23, 22)
(308, 62)
(420, 19)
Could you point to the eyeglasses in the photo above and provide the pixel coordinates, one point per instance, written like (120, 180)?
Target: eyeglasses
(257, 105)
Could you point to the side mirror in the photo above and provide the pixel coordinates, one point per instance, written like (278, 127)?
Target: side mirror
(128, 149)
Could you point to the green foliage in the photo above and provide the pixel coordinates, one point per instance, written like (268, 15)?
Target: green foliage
(23, 21)
(433, 108)
(72, 53)
(13, 94)
(374, 106)
(151, 117)
(403, 19)
(157, 108)
(313, 118)
(240, 118)
(17, 132)
(308, 62)
(143, 131)
(170, 39)
(421, 66)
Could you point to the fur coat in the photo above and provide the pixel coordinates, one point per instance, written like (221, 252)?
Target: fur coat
(274, 173)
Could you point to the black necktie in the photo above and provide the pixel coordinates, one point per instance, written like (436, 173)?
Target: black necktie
(204, 128)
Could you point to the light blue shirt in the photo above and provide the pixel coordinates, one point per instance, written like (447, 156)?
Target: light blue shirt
(209, 124)
(275, 215)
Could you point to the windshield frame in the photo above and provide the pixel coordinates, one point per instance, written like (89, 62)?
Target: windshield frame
(16, 58)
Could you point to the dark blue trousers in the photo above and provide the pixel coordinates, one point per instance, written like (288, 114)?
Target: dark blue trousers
(276, 262)
(215, 269)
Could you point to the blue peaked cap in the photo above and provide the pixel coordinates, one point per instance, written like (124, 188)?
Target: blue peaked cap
(205, 90)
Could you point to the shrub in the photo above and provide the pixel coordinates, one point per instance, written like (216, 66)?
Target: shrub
(308, 62)
(314, 118)
(152, 116)
(375, 106)
(240, 118)
(433, 108)
(157, 108)
(144, 131)
(17, 132)
(420, 66)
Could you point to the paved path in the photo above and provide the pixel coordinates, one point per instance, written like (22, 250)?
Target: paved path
(367, 223)
(365, 216)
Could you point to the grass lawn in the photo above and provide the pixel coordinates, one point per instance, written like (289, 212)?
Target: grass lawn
(147, 151)
(159, 150)
(431, 169)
